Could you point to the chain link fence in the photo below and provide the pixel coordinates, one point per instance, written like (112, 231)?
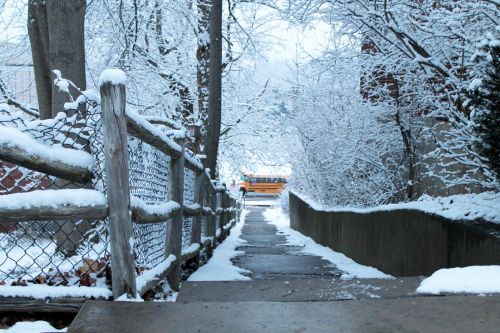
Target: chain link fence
(70, 252)
(76, 252)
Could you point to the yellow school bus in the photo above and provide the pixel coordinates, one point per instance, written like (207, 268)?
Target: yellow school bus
(263, 184)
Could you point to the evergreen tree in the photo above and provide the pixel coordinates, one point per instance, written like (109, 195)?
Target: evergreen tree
(484, 92)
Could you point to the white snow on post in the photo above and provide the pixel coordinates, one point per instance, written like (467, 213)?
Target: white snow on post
(14, 138)
(220, 267)
(472, 279)
(53, 198)
(113, 76)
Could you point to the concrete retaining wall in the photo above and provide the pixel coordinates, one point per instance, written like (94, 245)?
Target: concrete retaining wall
(399, 242)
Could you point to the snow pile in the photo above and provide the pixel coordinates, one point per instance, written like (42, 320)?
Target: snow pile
(52, 198)
(39, 291)
(191, 249)
(126, 298)
(473, 279)
(484, 206)
(13, 138)
(31, 327)
(152, 274)
(348, 266)
(220, 267)
(193, 206)
(161, 209)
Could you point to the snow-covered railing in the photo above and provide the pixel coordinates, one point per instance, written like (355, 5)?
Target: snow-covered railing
(19, 148)
(44, 205)
(117, 123)
(122, 210)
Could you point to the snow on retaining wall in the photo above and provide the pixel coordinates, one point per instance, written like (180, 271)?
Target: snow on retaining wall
(400, 242)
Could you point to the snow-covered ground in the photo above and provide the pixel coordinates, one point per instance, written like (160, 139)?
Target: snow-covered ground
(41, 291)
(32, 327)
(351, 269)
(220, 267)
(472, 279)
(484, 206)
(17, 256)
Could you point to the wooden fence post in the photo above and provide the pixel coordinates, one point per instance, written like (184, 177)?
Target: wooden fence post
(223, 215)
(174, 227)
(212, 219)
(198, 198)
(113, 100)
(233, 212)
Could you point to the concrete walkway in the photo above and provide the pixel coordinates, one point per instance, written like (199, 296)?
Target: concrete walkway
(290, 292)
(267, 256)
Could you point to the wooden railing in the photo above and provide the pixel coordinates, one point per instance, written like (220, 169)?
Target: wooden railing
(122, 210)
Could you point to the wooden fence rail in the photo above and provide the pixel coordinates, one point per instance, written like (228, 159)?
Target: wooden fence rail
(121, 209)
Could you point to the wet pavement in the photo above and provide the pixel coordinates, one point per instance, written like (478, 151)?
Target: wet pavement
(456, 314)
(268, 256)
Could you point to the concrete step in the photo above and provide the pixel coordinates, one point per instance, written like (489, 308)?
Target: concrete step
(453, 314)
(297, 290)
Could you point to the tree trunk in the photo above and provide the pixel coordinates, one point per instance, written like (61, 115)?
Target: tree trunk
(202, 54)
(67, 45)
(56, 31)
(38, 32)
(202, 57)
(214, 88)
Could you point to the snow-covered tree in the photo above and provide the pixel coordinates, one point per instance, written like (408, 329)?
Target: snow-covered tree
(485, 98)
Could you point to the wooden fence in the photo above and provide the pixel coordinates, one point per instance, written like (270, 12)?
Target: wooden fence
(119, 210)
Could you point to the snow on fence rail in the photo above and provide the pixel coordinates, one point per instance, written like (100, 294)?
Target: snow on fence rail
(123, 132)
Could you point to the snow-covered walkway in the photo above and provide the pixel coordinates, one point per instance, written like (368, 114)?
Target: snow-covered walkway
(268, 278)
(263, 246)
